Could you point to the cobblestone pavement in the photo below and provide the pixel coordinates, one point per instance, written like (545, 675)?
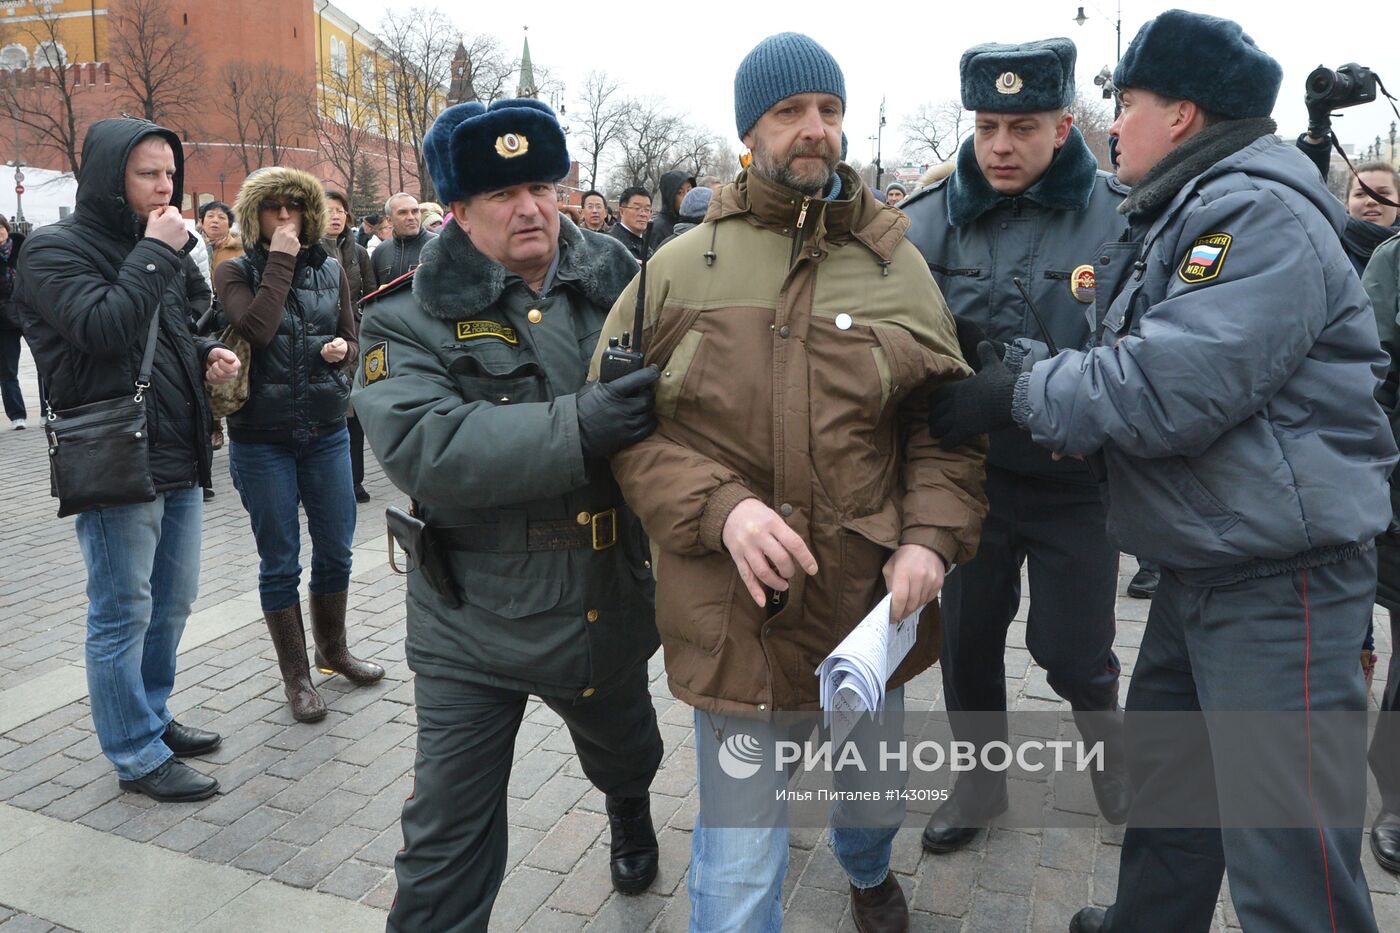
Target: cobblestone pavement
(306, 828)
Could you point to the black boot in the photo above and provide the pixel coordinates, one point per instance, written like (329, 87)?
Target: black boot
(1112, 790)
(1385, 841)
(634, 849)
(966, 812)
(1088, 920)
(289, 641)
(328, 629)
(1143, 585)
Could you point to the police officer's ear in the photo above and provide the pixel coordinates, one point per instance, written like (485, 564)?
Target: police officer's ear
(1062, 125)
(458, 209)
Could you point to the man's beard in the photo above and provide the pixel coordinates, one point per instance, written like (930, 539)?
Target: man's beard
(782, 172)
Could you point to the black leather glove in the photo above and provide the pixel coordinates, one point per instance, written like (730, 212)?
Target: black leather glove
(613, 416)
(963, 410)
(1319, 118)
(970, 337)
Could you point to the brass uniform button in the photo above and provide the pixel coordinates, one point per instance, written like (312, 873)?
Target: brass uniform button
(534, 316)
(592, 615)
(587, 693)
(584, 518)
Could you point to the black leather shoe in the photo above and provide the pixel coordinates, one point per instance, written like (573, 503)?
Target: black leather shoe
(881, 909)
(173, 781)
(186, 741)
(958, 821)
(1088, 920)
(634, 850)
(360, 494)
(1143, 585)
(1385, 841)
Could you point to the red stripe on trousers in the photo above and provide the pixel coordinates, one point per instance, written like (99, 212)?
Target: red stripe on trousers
(1307, 719)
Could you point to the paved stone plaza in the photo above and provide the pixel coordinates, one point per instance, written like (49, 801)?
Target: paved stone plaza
(304, 834)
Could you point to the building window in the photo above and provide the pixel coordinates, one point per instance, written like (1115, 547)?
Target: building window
(50, 55)
(367, 74)
(340, 56)
(14, 56)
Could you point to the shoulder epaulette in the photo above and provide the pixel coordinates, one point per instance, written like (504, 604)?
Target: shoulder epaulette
(388, 288)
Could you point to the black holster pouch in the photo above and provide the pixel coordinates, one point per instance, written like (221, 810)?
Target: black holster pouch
(415, 538)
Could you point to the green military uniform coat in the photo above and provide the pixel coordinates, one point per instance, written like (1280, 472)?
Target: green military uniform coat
(466, 392)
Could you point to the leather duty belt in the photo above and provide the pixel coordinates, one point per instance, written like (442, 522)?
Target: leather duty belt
(596, 531)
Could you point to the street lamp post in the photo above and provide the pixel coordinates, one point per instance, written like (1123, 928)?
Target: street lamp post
(19, 183)
(221, 188)
(879, 144)
(1106, 75)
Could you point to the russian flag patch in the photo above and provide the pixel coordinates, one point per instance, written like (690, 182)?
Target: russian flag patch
(1204, 259)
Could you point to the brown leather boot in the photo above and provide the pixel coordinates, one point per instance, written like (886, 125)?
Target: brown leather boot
(289, 641)
(332, 656)
(881, 909)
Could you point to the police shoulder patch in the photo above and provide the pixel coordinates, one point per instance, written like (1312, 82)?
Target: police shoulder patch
(473, 330)
(1205, 258)
(375, 365)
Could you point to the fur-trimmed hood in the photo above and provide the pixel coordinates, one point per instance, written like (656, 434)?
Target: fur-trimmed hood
(1066, 184)
(455, 280)
(280, 182)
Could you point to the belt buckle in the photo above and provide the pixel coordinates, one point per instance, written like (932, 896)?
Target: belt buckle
(604, 528)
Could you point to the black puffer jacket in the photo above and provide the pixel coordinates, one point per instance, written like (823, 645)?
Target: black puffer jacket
(398, 256)
(288, 308)
(86, 289)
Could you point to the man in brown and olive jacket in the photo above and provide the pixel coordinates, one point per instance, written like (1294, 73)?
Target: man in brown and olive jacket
(792, 480)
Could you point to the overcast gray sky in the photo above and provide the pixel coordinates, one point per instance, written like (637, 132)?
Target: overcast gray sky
(688, 58)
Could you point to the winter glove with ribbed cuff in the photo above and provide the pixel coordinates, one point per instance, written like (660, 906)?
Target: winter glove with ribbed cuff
(613, 416)
(978, 405)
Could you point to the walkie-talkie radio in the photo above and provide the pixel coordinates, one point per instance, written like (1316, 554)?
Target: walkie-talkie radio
(624, 355)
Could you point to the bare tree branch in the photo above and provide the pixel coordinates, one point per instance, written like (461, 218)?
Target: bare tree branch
(269, 107)
(1093, 117)
(603, 118)
(154, 63)
(421, 44)
(45, 99)
(935, 131)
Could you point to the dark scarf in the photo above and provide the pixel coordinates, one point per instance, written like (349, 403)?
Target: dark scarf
(1361, 237)
(1190, 159)
(1066, 185)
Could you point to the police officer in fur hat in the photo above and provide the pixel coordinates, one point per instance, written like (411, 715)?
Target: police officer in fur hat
(1026, 201)
(531, 577)
(1230, 405)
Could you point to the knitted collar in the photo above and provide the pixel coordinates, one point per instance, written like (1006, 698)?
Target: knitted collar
(1165, 179)
(1066, 185)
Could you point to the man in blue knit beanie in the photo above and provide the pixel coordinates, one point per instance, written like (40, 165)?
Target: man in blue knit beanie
(791, 486)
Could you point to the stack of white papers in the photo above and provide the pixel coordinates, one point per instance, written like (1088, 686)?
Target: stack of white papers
(853, 676)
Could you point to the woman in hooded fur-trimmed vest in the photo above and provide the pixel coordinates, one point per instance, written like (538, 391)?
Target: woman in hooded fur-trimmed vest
(289, 443)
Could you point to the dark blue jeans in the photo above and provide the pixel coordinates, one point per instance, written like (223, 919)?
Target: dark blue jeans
(272, 479)
(143, 572)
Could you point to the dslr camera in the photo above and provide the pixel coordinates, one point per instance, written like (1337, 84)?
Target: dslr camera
(1347, 86)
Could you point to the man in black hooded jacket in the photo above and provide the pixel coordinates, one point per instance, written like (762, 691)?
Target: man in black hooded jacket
(86, 293)
(674, 187)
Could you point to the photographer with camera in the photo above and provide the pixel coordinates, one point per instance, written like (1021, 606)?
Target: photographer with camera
(1371, 220)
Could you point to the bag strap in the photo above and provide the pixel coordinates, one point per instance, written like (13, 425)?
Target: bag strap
(143, 379)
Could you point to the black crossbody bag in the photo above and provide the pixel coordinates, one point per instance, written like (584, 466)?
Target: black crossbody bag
(99, 454)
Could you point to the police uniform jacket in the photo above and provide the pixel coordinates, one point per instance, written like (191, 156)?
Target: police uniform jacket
(1232, 390)
(976, 240)
(466, 393)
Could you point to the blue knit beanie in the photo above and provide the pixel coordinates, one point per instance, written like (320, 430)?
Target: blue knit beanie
(781, 66)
